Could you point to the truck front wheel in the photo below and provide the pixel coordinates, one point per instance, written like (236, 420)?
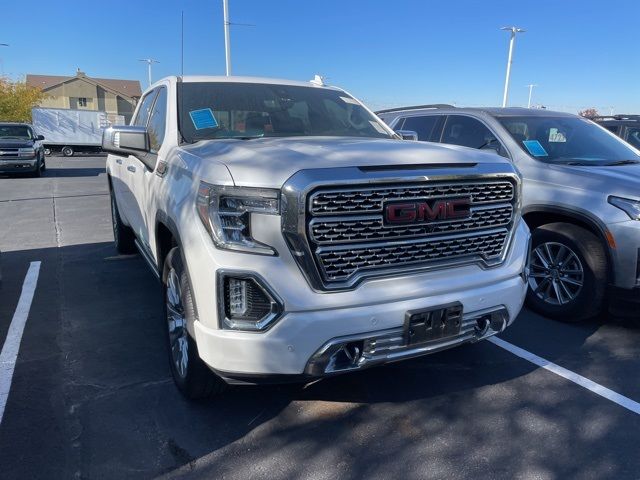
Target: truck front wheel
(190, 374)
(568, 276)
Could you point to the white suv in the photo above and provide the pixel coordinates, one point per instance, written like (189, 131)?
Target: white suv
(296, 236)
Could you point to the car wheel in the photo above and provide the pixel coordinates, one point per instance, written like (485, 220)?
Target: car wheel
(67, 151)
(43, 164)
(123, 236)
(568, 276)
(38, 171)
(190, 374)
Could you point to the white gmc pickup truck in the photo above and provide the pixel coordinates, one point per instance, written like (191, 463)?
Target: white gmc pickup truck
(296, 236)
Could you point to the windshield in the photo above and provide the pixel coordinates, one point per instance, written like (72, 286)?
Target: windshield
(17, 132)
(247, 110)
(572, 140)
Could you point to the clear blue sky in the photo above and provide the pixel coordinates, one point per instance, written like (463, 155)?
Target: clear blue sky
(581, 52)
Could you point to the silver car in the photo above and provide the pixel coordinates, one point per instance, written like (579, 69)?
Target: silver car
(581, 199)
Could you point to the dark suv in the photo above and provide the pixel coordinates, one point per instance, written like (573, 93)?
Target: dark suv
(21, 149)
(626, 127)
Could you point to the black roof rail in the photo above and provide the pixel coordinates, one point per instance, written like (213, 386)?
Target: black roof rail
(619, 116)
(416, 107)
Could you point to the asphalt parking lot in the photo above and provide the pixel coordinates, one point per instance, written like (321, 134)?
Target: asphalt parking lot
(91, 395)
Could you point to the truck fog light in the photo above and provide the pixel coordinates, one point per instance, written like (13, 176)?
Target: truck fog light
(245, 303)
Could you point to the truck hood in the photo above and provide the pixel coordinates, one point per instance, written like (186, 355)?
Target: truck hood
(269, 162)
(11, 143)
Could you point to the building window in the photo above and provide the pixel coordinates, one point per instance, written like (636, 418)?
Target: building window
(82, 102)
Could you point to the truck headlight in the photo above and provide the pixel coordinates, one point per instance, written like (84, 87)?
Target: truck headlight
(630, 207)
(245, 303)
(26, 152)
(226, 211)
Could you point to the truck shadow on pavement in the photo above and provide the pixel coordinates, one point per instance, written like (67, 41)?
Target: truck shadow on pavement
(93, 370)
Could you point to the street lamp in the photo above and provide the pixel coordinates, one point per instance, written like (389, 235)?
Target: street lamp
(513, 31)
(531, 85)
(1, 63)
(148, 61)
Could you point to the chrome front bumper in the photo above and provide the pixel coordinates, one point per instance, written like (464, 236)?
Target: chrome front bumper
(17, 165)
(356, 352)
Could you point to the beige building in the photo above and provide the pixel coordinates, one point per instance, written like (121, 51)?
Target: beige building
(116, 97)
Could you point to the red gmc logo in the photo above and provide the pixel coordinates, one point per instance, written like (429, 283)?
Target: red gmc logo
(427, 210)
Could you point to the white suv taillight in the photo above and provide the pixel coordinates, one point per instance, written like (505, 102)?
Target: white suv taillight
(226, 211)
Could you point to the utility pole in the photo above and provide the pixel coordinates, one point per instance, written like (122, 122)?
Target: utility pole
(1, 62)
(227, 39)
(531, 85)
(512, 39)
(148, 61)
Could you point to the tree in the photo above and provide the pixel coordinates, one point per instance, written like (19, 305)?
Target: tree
(589, 113)
(17, 99)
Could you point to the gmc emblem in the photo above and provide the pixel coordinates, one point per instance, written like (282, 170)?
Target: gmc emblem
(427, 211)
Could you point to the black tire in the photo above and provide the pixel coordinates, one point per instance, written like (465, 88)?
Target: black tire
(38, 171)
(43, 166)
(588, 298)
(123, 236)
(190, 374)
(67, 151)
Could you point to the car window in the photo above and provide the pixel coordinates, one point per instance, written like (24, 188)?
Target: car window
(468, 132)
(142, 116)
(612, 128)
(422, 125)
(221, 110)
(398, 126)
(16, 132)
(158, 121)
(633, 137)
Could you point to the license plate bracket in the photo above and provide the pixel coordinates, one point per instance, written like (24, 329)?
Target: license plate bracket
(428, 324)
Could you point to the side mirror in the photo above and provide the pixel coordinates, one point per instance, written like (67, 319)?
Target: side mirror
(39, 137)
(125, 140)
(407, 134)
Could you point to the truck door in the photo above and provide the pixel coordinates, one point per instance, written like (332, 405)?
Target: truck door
(130, 168)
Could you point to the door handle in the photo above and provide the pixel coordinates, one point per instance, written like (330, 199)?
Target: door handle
(131, 168)
(119, 161)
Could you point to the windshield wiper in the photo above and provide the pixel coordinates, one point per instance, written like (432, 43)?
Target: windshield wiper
(622, 162)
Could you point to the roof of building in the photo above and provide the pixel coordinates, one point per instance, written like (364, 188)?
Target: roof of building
(129, 88)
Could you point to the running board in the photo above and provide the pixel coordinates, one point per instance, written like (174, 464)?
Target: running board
(148, 259)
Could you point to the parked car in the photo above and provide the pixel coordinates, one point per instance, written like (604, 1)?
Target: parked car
(72, 131)
(626, 127)
(581, 198)
(296, 237)
(21, 149)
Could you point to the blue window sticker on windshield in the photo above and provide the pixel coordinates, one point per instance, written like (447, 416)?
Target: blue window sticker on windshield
(535, 148)
(203, 118)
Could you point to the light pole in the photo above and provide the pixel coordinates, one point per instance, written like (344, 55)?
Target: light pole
(1, 62)
(531, 85)
(513, 31)
(227, 38)
(148, 61)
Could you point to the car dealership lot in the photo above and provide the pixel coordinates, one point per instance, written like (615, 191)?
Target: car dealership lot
(92, 396)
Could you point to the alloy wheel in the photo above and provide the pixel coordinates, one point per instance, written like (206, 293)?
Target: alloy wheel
(557, 274)
(177, 325)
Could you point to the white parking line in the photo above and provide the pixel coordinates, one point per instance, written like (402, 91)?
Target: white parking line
(11, 345)
(569, 375)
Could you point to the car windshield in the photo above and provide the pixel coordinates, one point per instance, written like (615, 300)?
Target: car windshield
(17, 132)
(572, 140)
(216, 110)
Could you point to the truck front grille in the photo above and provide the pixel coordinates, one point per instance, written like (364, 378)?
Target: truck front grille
(348, 237)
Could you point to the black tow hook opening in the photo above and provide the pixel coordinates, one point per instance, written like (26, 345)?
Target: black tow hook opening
(483, 323)
(349, 355)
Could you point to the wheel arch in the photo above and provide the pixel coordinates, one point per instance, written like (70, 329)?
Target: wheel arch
(538, 215)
